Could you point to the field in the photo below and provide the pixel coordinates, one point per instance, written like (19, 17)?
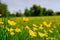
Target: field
(30, 28)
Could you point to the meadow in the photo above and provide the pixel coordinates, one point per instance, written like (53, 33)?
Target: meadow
(30, 28)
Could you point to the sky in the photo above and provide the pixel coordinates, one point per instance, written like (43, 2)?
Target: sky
(21, 5)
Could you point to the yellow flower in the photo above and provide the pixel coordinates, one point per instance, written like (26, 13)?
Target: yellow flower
(42, 34)
(44, 23)
(32, 34)
(18, 30)
(1, 22)
(47, 24)
(50, 31)
(12, 33)
(41, 25)
(35, 29)
(0, 14)
(40, 28)
(47, 38)
(11, 29)
(34, 25)
(45, 31)
(54, 26)
(25, 19)
(27, 27)
(11, 22)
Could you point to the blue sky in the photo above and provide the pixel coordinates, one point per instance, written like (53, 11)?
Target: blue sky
(15, 5)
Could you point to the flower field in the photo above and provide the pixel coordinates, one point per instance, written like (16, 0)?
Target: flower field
(30, 28)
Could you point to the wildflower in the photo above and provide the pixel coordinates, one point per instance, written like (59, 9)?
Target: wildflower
(35, 29)
(34, 25)
(0, 14)
(18, 30)
(11, 29)
(45, 23)
(49, 25)
(32, 34)
(45, 31)
(50, 31)
(41, 25)
(12, 33)
(54, 26)
(1, 22)
(47, 38)
(27, 27)
(42, 34)
(11, 22)
(40, 28)
(25, 19)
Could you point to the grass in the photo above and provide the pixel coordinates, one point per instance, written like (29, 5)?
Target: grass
(8, 31)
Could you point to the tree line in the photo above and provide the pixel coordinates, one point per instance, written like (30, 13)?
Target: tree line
(35, 10)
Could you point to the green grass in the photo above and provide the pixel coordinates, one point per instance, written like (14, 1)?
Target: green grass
(24, 35)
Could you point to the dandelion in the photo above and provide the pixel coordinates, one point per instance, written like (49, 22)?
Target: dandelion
(1, 22)
(42, 34)
(27, 27)
(47, 25)
(0, 14)
(35, 29)
(45, 34)
(18, 30)
(32, 33)
(44, 23)
(50, 31)
(12, 33)
(54, 26)
(11, 22)
(45, 31)
(34, 25)
(41, 25)
(25, 19)
(47, 38)
(11, 29)
(40, 28)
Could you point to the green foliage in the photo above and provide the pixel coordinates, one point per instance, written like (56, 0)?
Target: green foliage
(57, 13)
(24, 35)
(38, 11)
(27, 12)
(44, 12)
(3, 10)
(35, 10)
(49, 12)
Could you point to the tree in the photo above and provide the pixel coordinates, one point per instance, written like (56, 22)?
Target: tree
(3, 10)
(49, 12)
(27, 12)
(35, 10)
(44, 11)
